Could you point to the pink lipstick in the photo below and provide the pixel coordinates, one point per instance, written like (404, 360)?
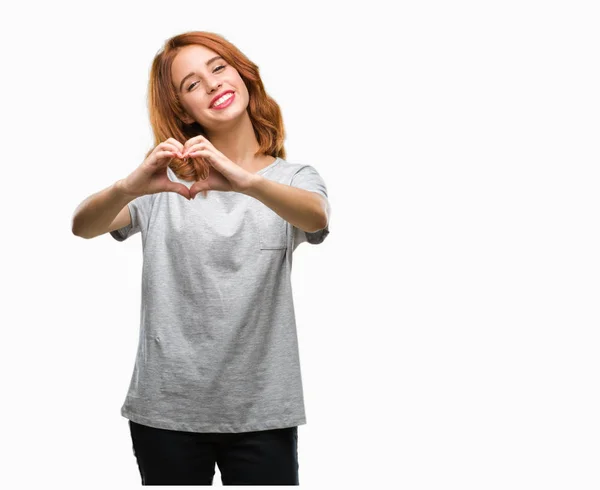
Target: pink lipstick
(225, 104)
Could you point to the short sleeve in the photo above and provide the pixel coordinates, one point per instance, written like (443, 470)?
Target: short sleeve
(139, 210)
(308, 178)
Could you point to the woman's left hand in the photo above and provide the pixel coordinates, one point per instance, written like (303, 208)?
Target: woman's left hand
(224, 175)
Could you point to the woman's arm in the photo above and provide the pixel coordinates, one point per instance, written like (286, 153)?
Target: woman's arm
(304, 209)
(101, 212)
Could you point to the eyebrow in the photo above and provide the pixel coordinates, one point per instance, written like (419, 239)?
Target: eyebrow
(192, 73)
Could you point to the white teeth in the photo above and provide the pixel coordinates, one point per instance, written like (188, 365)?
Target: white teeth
(223, 99)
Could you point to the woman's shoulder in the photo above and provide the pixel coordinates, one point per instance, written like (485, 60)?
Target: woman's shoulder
(290, 169)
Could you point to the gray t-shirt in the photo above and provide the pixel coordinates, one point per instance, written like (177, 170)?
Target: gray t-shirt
(218, 348)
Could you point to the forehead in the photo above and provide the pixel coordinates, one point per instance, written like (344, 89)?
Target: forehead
(190, 58)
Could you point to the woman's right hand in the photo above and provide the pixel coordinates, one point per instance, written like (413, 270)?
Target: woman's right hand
(151, 176)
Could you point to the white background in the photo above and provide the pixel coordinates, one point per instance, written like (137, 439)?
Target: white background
(448, 325)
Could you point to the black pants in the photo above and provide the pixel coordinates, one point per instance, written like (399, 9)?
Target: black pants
(170, 457)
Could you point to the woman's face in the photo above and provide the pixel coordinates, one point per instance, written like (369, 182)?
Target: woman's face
(198, 79)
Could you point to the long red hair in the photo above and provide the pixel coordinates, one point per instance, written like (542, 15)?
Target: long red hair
(166, 111)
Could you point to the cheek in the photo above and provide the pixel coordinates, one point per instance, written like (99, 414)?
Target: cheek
(238, 82)
(242, 92)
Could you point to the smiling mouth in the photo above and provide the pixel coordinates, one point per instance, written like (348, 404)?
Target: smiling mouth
(226, 102)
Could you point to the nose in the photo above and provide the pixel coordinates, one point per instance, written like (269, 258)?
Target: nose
(213, 86)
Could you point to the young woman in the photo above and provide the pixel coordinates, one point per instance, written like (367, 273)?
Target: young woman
(217, 374)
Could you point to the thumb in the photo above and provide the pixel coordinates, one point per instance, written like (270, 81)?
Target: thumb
(179, 189)
(197, 188)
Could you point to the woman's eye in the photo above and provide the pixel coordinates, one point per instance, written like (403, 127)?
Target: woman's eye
(217, 68)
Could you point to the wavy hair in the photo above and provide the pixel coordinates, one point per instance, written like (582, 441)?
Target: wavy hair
(166, 111)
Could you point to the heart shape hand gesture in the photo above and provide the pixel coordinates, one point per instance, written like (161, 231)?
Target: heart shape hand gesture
(223, 175)
(151, 176)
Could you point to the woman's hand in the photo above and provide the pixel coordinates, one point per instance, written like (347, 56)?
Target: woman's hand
(151, 176)
(223, 175)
